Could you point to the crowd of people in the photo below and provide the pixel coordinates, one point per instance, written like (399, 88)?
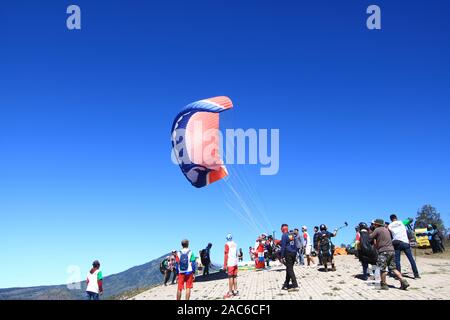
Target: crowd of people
(295, 248)
(268, 249)
(183, 264)
(379, 245)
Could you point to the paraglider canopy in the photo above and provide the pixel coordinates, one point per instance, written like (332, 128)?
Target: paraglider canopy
(196, 141)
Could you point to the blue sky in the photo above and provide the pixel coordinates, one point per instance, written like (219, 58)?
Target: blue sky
(85, 118)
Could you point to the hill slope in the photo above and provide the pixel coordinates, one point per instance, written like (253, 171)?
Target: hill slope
(141, 276)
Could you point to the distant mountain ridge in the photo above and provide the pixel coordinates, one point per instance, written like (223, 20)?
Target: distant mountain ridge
(141, 276)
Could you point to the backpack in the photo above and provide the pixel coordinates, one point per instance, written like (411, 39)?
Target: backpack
(184, 260)
(366, 250)
(164, 265)
(325, 243)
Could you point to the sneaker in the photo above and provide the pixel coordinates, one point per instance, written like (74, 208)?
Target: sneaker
(228, 295)
(235, 293)
(404, 285)
(416, 276)
(333, 268)
(384, 286)
(284, 287)
(292, 289)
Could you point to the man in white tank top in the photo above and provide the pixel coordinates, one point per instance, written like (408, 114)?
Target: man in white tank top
(230, 265)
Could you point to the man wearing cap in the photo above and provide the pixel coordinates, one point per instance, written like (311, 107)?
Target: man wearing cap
(386, 254)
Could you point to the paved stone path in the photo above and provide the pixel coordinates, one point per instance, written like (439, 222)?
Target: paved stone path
(318, 285)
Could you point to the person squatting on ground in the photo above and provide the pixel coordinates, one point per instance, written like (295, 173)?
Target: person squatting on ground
(386, 254)
(185, 259)
(288, 256)
(230, 265)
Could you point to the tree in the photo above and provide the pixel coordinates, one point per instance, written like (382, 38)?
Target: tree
(428, 215)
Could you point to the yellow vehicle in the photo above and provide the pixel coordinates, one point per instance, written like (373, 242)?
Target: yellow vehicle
(422, 238)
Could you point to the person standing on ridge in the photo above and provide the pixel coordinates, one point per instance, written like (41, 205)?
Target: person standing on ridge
(94, 282)
(186, 269)
(230, 265)
(241, 255)
(288, 255)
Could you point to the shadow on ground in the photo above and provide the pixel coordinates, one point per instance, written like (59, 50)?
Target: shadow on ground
(212, 277)
(323, 270)
(361, 277)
